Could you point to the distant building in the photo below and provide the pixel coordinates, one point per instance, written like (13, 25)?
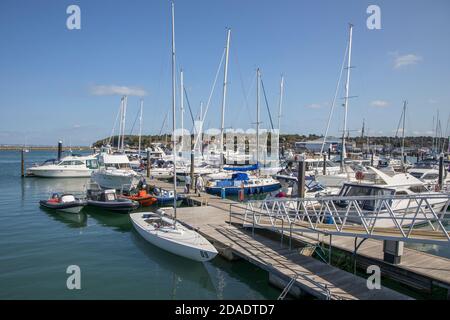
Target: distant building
(316, 145)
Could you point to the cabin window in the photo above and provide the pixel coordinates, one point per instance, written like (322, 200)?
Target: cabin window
(431, 176)
(92, 164)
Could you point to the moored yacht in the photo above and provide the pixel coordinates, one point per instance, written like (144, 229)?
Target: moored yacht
(115, 172)
(68, 167)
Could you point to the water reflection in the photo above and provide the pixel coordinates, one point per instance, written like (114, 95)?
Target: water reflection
(72, 220)
(182, 269)
(116, 221)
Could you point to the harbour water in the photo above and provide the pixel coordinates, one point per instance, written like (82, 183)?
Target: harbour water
(37, 246)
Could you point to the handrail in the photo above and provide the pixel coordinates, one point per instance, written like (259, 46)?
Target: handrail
(387, 217)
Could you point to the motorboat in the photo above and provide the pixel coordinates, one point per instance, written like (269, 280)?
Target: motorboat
(166, 197)
(170, 235)
(64, 202)
(107, 199)
(144, 199)
(68, 167)
(242, 181)
(115, 172)
(403, 185)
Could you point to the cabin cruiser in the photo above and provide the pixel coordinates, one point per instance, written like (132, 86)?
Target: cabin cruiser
(402, 184)
(115, 173)
(428, 176)
(68, 167)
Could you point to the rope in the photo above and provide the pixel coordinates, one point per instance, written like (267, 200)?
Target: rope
(210, 96)
(267, 104)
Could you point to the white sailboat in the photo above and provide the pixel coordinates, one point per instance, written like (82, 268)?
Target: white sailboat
(162, 231)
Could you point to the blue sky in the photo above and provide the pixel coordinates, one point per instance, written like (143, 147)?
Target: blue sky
(54, 82)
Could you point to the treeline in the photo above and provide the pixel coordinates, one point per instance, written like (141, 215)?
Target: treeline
(288, 140)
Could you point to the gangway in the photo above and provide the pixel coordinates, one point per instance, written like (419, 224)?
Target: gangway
(408, 218)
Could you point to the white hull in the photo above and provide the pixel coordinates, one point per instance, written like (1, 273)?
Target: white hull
(60, 173)
(72, 210)
(109, 179)
(180, 241)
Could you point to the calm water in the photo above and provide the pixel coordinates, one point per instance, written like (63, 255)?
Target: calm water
(37, 246)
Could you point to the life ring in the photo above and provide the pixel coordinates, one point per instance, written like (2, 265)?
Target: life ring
(359, 175)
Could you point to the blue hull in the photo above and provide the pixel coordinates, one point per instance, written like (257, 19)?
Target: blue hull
(247, 190)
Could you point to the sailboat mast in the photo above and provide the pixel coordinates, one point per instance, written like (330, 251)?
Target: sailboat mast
(182, 108)
(140, 127)
(123, 119)
(173, 116)
(280, 103)
(119, 137)
(258, 81)
(403, 132)
(347, 89)
(224, 96)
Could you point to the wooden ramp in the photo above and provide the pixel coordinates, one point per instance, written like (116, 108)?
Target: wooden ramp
(313, 276)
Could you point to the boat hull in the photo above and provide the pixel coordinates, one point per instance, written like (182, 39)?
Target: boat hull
(74, 207)
(247, 189)
(158, 239)
(111, 181)
(58, 173)
(116, 206)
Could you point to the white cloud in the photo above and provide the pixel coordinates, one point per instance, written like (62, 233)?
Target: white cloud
(432, 101)
(111, 90)
(379, 103)
(405, 60)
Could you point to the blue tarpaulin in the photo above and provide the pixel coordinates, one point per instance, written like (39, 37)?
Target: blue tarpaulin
(243, 168)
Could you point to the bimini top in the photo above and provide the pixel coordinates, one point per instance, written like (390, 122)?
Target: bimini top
(114, 158)
(240, 176)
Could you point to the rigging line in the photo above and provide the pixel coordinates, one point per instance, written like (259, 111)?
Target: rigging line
(189, 106)
(210, 96)
(246, 94)
(114, 127)
(164, 122)
(135, 119)
(334, 100)
(267, 103)
(398, 126)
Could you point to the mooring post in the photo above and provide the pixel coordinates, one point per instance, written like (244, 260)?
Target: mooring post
(393, 251)
(417, 156)
(301, 179)
(192, 158)
(329, 153)
(148, 163)
(22, 170)
(324, 164)
(371, 159)
(59, 150)
(441, 171)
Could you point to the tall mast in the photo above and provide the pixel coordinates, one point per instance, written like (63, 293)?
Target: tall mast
(224, 96)
(173, 116)
(280, 103)
(123, 119)
(140, 127)
(347, 89)
(119, 138)
(258, 81)
(182, 108)
(403, 131)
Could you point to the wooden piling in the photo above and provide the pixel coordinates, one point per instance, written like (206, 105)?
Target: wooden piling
(324, 164)
(301, 179)
(441, 171)
(148, 163)
(22, 166)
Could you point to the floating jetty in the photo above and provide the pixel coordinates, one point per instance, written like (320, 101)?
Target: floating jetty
(292, 267)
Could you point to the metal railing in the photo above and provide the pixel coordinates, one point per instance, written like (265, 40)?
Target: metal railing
(384, 217)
